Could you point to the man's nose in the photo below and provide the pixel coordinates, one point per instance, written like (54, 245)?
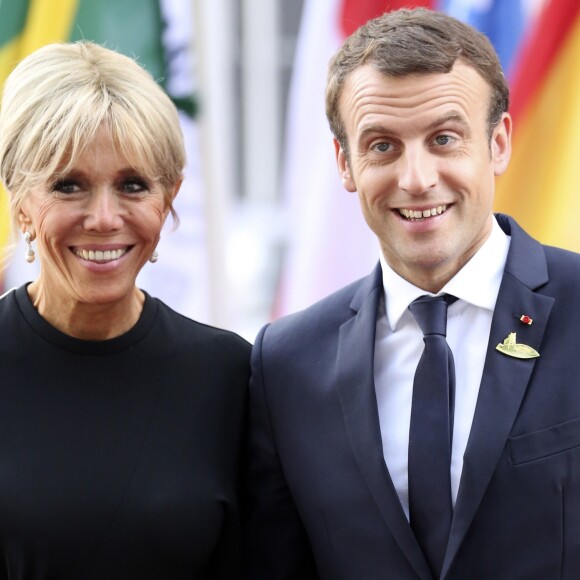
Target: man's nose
(417, 170)
(104, 211)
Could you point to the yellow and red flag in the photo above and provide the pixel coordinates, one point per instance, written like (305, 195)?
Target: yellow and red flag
(541, 187)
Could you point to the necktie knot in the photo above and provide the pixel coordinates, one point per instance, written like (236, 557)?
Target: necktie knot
(430, 312)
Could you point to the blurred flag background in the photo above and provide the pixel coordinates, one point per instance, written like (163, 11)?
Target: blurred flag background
(541, 187)
(267, 228)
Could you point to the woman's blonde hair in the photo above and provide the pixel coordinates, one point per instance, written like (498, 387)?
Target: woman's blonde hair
(56, 100)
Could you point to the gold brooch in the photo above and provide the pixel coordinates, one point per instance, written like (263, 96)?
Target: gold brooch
(510, 347)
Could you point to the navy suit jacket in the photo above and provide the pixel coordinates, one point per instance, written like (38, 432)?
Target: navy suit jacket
(321, 503)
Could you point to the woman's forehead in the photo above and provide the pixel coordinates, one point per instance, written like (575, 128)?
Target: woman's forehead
(126, 151)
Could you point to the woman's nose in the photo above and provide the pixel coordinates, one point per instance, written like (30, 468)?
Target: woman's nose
(104, 212)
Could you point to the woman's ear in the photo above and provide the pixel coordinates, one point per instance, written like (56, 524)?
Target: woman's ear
(176, 188)
(172, 195)
(24, 221)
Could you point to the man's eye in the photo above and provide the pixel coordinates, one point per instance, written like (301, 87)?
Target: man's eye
(66, 186)
(444, 139)
(382, 147)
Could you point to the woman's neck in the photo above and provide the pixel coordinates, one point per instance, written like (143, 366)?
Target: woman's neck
(87, 321)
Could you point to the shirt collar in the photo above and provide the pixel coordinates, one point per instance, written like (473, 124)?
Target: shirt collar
(477, 282)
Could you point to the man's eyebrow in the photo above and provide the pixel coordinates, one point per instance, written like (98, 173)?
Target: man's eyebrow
(451, 117)
(371, 129)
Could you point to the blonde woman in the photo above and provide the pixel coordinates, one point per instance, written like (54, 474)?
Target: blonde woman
(120, 420)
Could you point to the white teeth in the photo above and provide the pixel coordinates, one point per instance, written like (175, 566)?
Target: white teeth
(417, 215)
(100, 256)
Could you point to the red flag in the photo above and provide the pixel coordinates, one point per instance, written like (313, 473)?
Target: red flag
(355, 13)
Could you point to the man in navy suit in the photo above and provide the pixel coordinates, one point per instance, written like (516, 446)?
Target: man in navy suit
(417, 103)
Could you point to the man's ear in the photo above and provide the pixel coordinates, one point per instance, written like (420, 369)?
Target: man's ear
(343, 167)
(501, 144)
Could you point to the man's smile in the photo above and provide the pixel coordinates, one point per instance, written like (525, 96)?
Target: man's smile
(411, 214)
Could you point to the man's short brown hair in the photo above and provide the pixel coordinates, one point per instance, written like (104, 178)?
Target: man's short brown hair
(407, 42)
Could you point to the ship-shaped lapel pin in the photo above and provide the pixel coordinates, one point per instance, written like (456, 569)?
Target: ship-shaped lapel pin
(510, 347)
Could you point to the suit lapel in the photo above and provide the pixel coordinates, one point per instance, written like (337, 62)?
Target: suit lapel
(355, 378)
(504, 379)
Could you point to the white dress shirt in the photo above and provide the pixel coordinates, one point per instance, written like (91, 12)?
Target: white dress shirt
(399, 345)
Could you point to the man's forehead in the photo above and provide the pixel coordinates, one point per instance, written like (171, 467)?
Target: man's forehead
(368, 91)
(371, 72)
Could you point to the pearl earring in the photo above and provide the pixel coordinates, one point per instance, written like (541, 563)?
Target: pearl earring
(29, 255)
(154, 257)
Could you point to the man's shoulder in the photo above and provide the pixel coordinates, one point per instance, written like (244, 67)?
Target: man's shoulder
(527, 254)
(563, 272)
(552, 270)
(327, 314)
(562, 258)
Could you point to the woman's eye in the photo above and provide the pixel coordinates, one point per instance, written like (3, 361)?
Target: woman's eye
(66, 186)
(134, 186)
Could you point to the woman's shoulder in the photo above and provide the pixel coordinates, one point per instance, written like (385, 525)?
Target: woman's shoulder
(215, 359)
(195, 333)
(7, 296)
(8, 302)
